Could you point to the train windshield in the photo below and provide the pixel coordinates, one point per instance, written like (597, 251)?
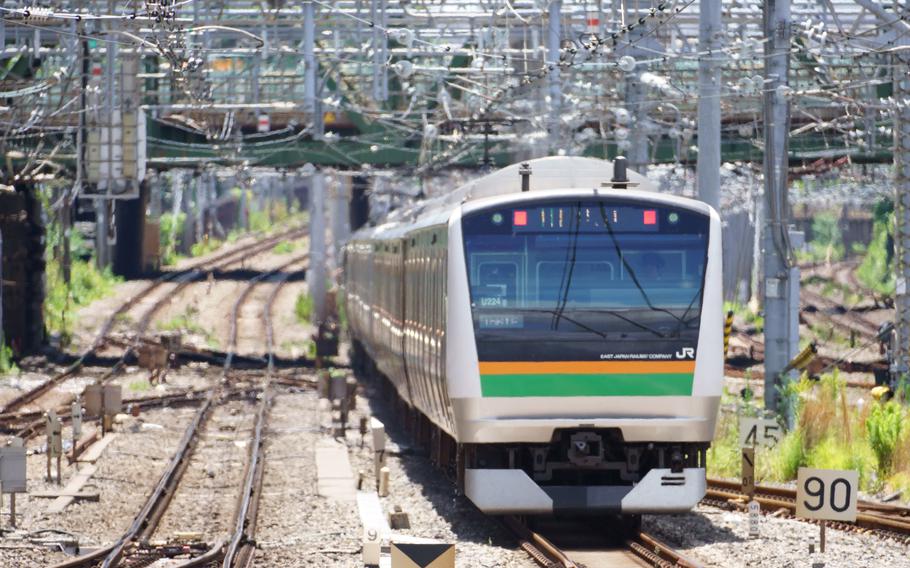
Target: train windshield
(589, 276)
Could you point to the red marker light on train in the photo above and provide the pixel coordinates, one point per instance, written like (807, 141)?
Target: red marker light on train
(650, 217)
(519, 218)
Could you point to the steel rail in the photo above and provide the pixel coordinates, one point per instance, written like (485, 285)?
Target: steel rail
(538, 547)
(237, 549)
(186, 278)
(146, 521)
(889, 521)
(642, 545)
(112, 554)
(240, 549)
(199, 267)
(658, 553)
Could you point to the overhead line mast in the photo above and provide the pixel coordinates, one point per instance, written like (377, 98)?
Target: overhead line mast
(900, 366)
(709, 32)
(781, 279)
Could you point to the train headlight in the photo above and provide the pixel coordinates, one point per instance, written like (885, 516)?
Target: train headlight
(497, 218)
(673, 218)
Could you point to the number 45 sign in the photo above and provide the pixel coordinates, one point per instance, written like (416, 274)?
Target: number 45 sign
(826, 494)
(759, 432)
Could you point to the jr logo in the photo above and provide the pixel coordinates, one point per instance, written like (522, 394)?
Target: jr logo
(686, 353)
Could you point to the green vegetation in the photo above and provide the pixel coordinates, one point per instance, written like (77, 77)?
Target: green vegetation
(307, 347)
(827, 244)
(883, 429)
(171, 229)
(284, 247)
(7, 366)
(303, 307)
(187, 322)
(87, 284)
(139, 385)
(745, 314)
(877, 269)
(342, 312)
(828, 433)
(206, 246)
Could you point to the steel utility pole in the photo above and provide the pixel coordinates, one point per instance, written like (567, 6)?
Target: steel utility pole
(709, 34)
(309, 57)
(316, 274)
(635, 103)
(900, 364)
(554, 33)
(380, 50)
(781, 284)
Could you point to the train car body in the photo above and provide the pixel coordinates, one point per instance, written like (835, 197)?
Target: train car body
(568, 339)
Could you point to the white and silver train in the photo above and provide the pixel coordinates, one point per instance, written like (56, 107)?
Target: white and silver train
(564, 339)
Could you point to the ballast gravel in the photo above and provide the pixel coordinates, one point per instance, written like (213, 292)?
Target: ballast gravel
(435, 510)
(206, 499)
(716, 537)
(128, 469)
(296, 526)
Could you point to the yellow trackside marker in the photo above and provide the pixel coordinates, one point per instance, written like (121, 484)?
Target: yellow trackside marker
(423, 555)
(802, 360)
(728, 329)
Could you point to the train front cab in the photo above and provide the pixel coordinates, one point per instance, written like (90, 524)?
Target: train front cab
(585, 350)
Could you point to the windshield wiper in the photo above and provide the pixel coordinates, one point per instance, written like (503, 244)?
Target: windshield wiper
(622, 258)
(566, 283)
(682, 320)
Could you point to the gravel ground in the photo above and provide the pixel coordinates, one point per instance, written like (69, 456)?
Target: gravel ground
(296, 526)
(89, 319)
(434, 508)
(208, 304)
(206, 499)
(720, 538)
(291, 336)
(125, 475)
(12, 386)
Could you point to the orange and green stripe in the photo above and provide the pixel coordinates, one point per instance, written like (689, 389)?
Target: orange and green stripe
(586, 378)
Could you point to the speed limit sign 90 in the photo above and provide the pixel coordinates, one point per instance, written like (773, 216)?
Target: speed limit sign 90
(826, 494)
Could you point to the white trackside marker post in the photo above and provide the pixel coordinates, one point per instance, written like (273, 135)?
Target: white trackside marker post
(754, 518)
(378, 430)
(383, 481)
(76, 413)
(54, 443)
(826, 495)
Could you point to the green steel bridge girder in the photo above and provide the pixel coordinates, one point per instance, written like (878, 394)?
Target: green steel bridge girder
(348, 154)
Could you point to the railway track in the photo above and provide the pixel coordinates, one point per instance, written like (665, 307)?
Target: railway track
(572, 546)
(181, 279)
(831, 310)
(819, 309)
(133, 548)
(883, 519)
